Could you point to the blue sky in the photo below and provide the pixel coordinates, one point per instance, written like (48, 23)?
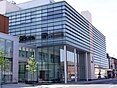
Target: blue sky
(104, 17)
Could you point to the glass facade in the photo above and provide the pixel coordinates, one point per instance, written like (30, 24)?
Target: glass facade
(49, 28)
(24, 54)
(38, 25)
(51, 66)
(22, 72)
(7, 47)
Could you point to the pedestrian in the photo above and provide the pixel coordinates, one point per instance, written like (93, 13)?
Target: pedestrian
(99, 75)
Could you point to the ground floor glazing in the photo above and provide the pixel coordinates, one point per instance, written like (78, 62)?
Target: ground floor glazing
(57, 64)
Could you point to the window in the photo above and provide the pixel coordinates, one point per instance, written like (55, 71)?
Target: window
(9, 48)
(26, 38)
(44, 35)
(2, 44)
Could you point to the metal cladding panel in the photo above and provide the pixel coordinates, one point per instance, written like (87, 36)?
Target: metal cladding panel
(4, 22)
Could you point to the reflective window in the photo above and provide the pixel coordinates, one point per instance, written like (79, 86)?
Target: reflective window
(2, 44)
(9, 48)
(70, 66)
(51, 66)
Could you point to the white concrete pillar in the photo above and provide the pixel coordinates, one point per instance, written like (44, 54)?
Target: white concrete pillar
(75, 64)
(15, 68)
(78, 73)
(86, 66)
(91, 67)
(65, 63)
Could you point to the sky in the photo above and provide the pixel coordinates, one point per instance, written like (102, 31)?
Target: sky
(104, 18)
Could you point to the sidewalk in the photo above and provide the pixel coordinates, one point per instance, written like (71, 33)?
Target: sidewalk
(19, 85)
(54, 85)
(95, 81)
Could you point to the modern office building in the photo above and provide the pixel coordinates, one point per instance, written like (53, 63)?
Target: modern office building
(9, 45)
(68, 47)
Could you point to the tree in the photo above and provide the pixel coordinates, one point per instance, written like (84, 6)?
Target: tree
(3, 63)
(32, 66)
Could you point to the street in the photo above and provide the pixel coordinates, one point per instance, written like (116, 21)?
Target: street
(106, 83)
(113, 82)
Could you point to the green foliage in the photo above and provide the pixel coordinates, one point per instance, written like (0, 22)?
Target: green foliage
(32, 65)
(3, 61)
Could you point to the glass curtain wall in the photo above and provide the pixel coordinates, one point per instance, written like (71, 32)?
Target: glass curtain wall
(51, 66)
(24, 54)
(22, 72)
(2, 47)
(9, 56)
(7, 47)
(70, 66)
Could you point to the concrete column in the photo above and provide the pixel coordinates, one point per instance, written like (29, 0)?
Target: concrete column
(91, 66)
(78, 73)
(15, 61)
(65, 63)
(86, 66)
(75, 65)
